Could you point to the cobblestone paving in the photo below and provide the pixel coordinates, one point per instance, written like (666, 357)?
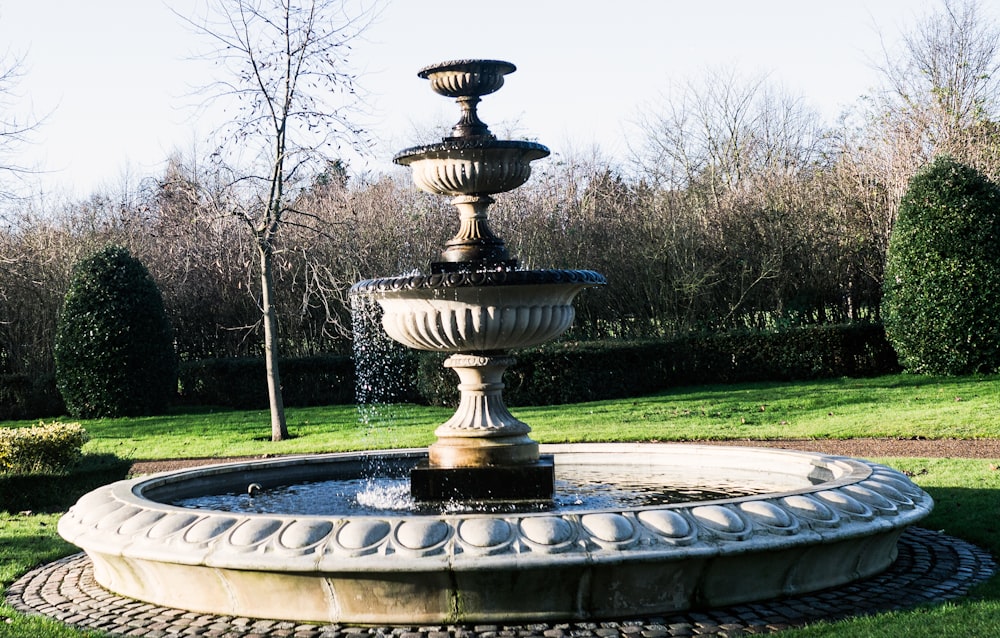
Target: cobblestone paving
(931, 567)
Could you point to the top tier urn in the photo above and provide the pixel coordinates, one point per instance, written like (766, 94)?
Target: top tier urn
(472, 164)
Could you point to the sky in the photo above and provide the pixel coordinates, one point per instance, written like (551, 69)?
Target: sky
(113, 78)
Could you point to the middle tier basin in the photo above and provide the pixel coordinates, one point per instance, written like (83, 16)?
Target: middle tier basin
(478, 311)
(477, 165)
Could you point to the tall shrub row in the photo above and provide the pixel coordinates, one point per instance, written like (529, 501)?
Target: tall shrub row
(750, 262)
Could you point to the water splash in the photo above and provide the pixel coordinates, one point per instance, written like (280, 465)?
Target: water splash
(383, 366)
(384, 495)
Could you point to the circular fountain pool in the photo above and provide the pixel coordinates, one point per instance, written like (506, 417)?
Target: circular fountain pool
(822, 521)
(383, 489)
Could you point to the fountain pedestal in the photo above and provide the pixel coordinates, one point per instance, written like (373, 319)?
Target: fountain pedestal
(482, 452)
(482, 431)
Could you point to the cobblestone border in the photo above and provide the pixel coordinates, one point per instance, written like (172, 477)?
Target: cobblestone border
(932, 567)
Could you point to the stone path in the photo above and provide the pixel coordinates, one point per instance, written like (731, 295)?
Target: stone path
(931, 568)
(864, 448)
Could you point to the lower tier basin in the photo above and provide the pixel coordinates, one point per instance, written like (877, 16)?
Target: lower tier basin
(823, 521)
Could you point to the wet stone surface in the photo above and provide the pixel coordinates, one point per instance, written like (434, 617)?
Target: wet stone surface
(931, 568)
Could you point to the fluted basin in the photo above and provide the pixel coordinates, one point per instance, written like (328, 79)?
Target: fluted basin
(466, 78)
(478, 311)
(471, 166)
(467, 81)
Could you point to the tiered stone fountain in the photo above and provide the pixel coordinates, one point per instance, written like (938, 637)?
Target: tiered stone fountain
(812, 521)
(476, 303)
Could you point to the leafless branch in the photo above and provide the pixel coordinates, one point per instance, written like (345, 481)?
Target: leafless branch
(16, 128)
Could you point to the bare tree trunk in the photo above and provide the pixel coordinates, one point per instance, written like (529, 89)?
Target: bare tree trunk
(279, 427)
(283, 69)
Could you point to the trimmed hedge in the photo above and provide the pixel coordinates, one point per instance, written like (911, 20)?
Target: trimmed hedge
(942, 278)
(567, 372)
(58, 490)
(23, 397)
(572, 372)
(242, 383)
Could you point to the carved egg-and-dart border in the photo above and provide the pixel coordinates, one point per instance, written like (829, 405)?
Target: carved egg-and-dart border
(118, 520)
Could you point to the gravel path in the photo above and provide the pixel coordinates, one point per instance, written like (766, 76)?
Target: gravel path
(863, 448)
(876, 448)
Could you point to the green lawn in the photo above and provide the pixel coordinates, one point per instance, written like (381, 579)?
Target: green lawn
(902, 406)
(897, 406)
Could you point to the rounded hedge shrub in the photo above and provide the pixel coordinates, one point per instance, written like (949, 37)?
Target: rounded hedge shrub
(942, 279)
(114, 347)
(46, 448)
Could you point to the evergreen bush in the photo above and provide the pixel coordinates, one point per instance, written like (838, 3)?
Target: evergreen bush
(942, 279)
(44, 448)
(114, 347)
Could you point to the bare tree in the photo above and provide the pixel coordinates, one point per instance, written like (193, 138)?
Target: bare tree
(946, 79)
(717, 131)
(15, 127)
(285, 66)
(724, 156)
(940, 94)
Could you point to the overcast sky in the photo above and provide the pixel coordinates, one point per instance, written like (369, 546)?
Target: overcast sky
(114, 75)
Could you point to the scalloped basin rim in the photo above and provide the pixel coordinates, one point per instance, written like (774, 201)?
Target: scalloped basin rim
(458, 148)
(479, 278)
(832, 472)
(502, 67)
(417, 568)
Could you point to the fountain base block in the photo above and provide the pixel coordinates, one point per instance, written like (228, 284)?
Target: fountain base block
(522, 482)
